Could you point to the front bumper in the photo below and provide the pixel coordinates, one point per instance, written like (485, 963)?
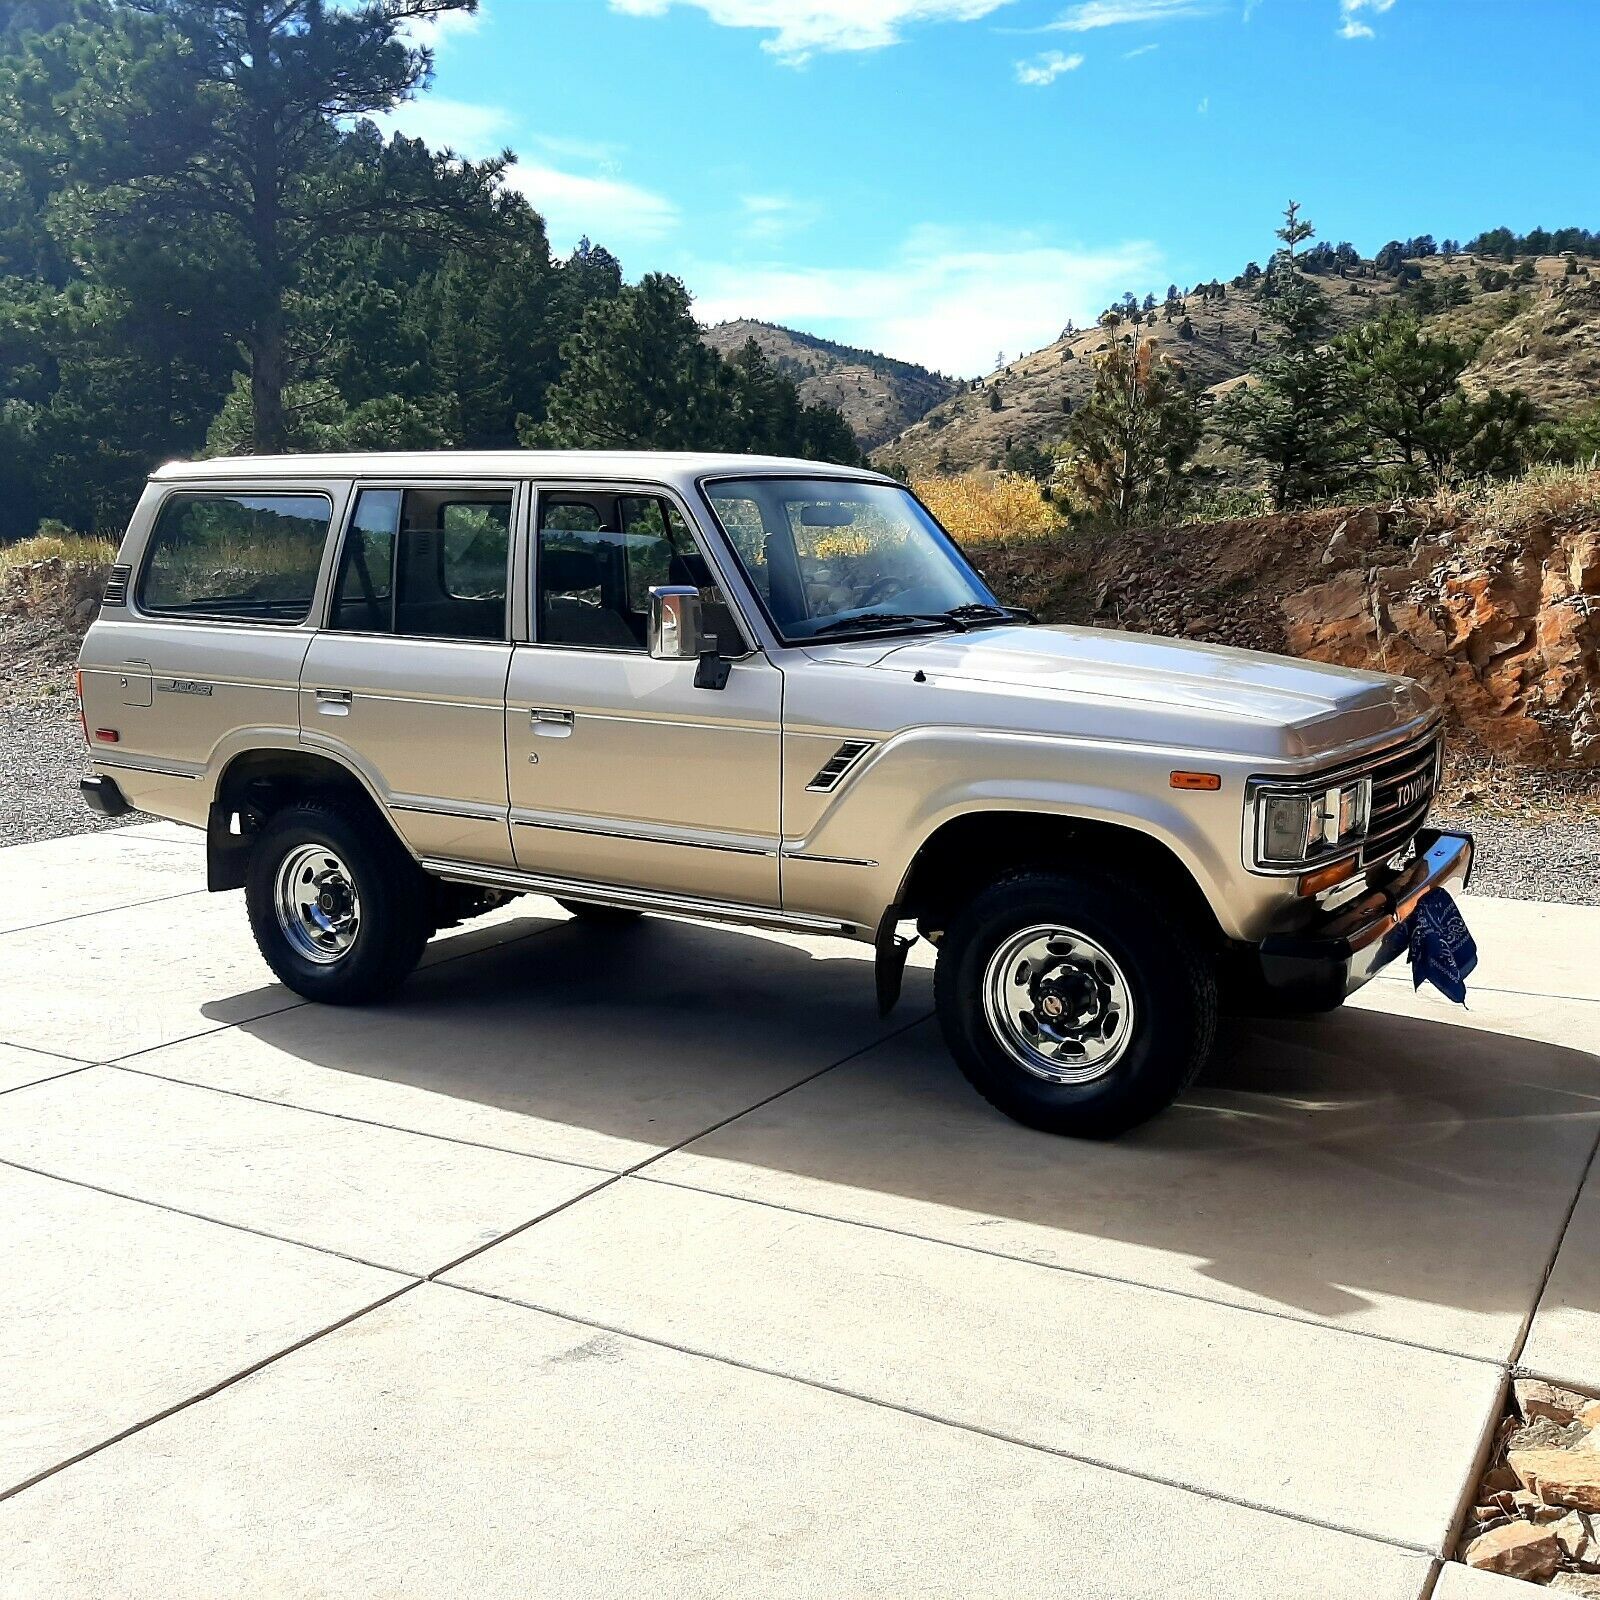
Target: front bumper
(1316, 967)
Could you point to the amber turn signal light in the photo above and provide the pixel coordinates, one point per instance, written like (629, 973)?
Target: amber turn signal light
(1327, 877)
(1196, 780)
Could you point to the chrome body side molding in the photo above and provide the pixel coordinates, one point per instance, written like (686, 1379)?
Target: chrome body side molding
(605, 894)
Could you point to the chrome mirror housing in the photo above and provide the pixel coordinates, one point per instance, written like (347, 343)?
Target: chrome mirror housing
(677, 630)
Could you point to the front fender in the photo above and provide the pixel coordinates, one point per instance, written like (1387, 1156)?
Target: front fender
(858, 853)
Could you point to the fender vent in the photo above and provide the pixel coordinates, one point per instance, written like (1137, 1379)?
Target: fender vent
(839, 763)
(117, 586)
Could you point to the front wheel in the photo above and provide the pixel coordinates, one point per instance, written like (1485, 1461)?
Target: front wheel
(338, 909)
(1075, 1003)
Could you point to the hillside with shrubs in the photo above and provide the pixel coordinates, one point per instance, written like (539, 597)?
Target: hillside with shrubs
(1523, 311)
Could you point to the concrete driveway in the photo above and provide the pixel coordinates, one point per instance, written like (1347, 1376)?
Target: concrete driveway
(649, 1261)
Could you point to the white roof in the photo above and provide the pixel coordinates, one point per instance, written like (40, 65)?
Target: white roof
(680, 468)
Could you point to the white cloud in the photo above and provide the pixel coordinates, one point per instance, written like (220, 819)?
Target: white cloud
(776, 216)
(597, 202)
(1204, 106)
(608, 209)
(601, 153)
(1351, 25)
(474, 131)
(438, 31)
(1143, 50)
(802, 28)
(940, 300)
(1045, 69)
(1091, 14)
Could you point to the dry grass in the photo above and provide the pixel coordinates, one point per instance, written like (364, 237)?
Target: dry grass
(76, 549)
(986, 508)
(1542, 494)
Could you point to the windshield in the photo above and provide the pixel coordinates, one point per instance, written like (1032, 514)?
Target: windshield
(837, 557)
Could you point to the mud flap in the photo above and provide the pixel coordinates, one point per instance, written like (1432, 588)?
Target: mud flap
(227, 852)
(889, 969)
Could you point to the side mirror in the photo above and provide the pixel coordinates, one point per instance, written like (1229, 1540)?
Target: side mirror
(676, 626)
(677, 633)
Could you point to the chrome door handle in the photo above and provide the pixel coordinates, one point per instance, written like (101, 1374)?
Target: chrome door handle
(549, 716)
(334, 702)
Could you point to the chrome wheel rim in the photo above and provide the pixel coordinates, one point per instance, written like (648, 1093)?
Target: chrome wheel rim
(319, 911)
(1059, 1004)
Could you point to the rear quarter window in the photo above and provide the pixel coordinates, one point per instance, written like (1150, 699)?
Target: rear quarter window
(239, 557)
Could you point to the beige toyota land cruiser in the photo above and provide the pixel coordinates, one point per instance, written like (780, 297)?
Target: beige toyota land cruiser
(396, 690)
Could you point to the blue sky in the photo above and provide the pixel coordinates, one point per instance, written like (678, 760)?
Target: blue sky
(946, 179)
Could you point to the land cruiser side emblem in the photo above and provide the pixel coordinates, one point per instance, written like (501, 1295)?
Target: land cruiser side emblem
(182, 686)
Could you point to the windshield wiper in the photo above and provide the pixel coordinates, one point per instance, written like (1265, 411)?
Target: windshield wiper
(892, 619)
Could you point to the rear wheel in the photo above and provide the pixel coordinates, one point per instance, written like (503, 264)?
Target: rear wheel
(338, 909)
(1075, 1003)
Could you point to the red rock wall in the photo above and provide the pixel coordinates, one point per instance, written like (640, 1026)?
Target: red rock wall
(1506, 632)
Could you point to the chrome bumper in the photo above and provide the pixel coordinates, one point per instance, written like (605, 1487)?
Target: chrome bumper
(1318, 966)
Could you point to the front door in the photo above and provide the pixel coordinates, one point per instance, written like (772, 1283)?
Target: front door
(621, 771)
(408, 677)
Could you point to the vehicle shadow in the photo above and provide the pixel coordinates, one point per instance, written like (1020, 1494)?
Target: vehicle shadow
(1326, 1167)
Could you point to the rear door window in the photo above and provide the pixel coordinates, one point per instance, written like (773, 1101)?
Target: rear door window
(425, 564)
(236, 557)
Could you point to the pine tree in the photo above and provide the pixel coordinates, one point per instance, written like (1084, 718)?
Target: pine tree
(1131, 440)
(1426, 429)
(1296, 416)
(638, 374)
(218, 123)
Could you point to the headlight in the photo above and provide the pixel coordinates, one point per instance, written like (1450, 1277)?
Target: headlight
(1295, 828)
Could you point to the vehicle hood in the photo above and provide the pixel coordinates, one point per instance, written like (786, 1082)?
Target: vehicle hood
(1280, 705)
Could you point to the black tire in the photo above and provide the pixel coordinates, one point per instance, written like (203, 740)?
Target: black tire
(601, 916)
(394, 920)
(1163, 966)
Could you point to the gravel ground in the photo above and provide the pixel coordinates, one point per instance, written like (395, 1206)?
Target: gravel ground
(42, 757)
(1544, 858)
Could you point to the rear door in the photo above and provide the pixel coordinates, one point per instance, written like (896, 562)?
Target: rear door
(204, 644)
(407, 679)
(621, 771)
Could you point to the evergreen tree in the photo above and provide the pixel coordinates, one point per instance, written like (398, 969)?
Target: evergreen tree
(1295, 416)
(1131, 440)
(637, 374)
(1409, 388)
(216, 123)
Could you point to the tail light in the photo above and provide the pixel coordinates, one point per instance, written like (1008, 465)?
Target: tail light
(83, 720)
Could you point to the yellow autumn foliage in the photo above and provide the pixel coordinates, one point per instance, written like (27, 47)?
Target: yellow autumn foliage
(982, 508)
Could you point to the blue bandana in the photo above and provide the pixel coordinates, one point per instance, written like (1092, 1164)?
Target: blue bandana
(1441, 950)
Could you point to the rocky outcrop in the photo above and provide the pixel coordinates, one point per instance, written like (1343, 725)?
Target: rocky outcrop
(45, 607)
(1490, 596)
(1505, 631)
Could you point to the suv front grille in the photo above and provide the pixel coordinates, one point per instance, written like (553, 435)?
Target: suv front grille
(1402, 791)
(117, 586)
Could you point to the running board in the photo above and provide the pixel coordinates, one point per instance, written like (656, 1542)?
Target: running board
(605, 894)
